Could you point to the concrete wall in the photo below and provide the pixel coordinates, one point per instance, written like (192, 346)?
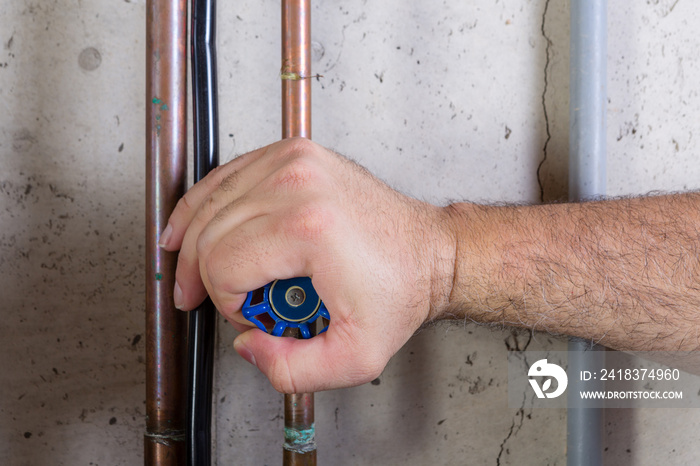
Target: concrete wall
(443, 100)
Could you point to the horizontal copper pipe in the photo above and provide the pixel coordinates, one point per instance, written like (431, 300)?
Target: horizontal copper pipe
(166, 147)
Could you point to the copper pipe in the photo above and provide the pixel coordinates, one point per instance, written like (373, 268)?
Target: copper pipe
(296, 68)
(299, 431)
(299, 444)
(166, 148)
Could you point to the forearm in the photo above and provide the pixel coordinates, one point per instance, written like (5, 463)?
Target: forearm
(624, 272)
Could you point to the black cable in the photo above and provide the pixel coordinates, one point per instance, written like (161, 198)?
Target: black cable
(202, 321)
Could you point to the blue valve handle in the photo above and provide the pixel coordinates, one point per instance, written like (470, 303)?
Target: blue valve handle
(291, 303)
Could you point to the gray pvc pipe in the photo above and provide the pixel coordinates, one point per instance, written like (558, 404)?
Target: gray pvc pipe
(584, 434)
(588, 99)
(587, 180)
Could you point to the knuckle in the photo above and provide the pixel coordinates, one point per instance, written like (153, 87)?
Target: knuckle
(185, 201)
(184, 262)
(295, 175)
(208, 209)
(299, 145)
(214, 177)
(203, 246)
(230, 182)
(229, 208)
(224, 306)
(309, 222)
(213, 265)
(219, 264)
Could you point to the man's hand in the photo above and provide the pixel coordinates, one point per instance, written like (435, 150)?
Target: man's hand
(381, 262)
(624, 273)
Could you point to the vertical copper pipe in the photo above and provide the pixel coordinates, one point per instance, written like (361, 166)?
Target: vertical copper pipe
(299, 442)
(296, 68)
(166, 147)
(299, 430)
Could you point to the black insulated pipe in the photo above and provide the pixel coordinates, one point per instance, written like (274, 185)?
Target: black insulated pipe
(202, 321)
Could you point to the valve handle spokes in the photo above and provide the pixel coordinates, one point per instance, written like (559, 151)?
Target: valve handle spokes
(287, 304)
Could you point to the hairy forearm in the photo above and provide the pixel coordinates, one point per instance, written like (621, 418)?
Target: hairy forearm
(625, 273)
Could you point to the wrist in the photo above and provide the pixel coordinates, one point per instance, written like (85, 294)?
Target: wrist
(473, 264)
(444, 253)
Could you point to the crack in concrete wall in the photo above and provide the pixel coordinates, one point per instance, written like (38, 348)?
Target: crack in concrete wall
(548, 46)
(513, 430)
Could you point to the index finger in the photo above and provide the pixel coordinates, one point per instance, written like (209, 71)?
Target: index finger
(186, 208)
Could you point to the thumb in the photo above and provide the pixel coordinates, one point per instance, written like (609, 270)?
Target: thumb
(299, 366)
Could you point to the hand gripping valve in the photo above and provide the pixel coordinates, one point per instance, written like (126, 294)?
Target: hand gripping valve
(287, 304)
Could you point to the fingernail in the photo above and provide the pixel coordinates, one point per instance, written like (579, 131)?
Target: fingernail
(243, 351)
(165, 236)
(177, 296)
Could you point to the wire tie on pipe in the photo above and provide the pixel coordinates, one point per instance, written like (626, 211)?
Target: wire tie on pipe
(167, 437)
(297, 77)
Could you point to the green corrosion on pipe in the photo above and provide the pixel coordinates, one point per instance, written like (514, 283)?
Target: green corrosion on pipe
(300, 440)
